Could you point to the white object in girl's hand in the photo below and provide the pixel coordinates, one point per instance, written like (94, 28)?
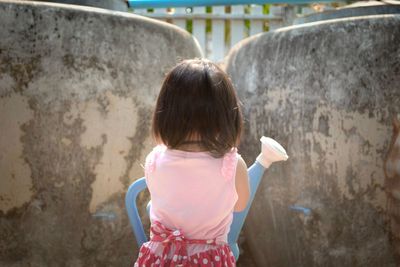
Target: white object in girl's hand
(271, 151)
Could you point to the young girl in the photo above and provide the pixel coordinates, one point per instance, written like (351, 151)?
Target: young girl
(195, 176)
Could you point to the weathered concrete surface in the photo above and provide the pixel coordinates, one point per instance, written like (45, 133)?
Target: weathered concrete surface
(77, 87)
(117, 5)
(327, 91)
(362, 8)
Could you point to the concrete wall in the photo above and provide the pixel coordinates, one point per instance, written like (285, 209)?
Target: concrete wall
(77, 88)
(328, 92)
(117, 5)
(362, 8)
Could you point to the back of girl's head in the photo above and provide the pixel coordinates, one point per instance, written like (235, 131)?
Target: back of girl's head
(197, 102)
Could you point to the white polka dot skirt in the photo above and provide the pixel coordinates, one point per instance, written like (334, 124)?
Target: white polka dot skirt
(220, 256)
(170, 248)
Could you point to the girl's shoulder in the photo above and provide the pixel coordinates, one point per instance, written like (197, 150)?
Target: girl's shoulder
(229, 164)
(152, 157)
(228, 168)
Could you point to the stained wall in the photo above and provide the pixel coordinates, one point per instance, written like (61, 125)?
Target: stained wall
(77, 88)
(327, 91)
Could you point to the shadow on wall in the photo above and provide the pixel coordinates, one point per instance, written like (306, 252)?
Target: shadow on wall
(392, 187)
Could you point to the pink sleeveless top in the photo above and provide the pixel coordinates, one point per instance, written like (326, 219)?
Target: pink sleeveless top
(192, 191)
(192, 200)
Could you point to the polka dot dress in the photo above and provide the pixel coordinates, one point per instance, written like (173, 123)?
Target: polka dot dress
(170, 248)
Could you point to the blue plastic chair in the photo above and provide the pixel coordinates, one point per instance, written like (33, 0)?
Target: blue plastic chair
(256, 172)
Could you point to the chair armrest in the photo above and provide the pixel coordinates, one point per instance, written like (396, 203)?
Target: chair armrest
(130, 202)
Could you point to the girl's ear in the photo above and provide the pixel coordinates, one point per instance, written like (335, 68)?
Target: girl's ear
(396, 123)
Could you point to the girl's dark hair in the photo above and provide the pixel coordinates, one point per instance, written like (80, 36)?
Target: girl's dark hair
(197, 99)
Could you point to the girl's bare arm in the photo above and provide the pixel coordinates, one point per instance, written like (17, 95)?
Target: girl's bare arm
(242, 185)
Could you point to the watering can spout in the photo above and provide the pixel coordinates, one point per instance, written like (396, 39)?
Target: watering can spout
(271, 151)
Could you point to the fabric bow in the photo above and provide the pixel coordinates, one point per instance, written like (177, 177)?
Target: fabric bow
(167, 237)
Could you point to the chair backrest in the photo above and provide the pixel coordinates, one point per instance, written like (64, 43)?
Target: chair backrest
(256, 172)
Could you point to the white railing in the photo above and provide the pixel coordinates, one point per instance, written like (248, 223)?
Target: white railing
(225, 26)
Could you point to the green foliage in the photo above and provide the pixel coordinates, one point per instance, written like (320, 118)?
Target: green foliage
(208, 21)
(266, 11)
(189, 25)
(266, 8)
